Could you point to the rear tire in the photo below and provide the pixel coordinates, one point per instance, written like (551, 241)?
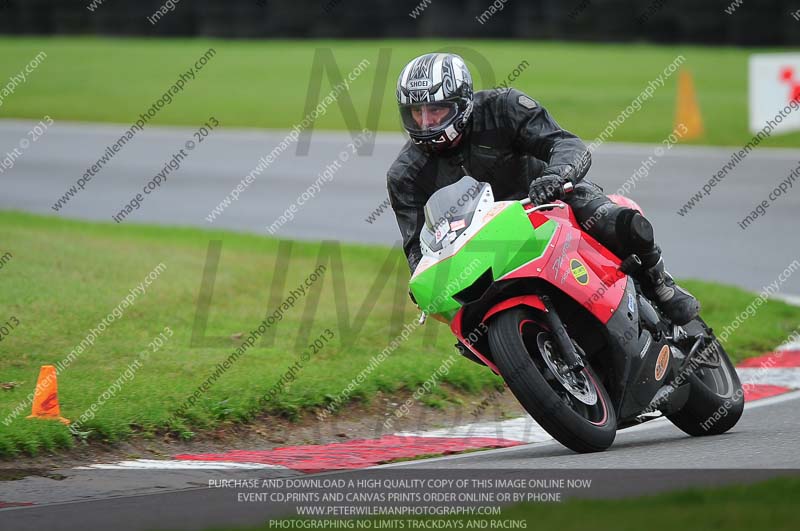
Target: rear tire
(716, 399)
(516, 338)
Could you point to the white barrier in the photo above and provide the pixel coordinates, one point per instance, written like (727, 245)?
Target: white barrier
(774, 81)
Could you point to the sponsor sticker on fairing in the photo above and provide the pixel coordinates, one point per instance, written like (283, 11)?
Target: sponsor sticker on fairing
(662, 362)
(457, 225)
(579, 271)
(441, 230)
(494, 210)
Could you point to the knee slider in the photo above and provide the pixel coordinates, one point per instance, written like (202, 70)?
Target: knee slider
(635, 231)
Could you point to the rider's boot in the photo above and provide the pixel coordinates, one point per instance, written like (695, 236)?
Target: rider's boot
(676, 303)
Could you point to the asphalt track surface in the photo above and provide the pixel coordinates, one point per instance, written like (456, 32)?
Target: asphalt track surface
(643, 460)
(707, 243)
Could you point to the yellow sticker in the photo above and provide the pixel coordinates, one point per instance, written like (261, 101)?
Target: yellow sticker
(579, 271)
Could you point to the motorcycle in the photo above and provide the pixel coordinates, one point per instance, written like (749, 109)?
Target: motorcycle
(559, 317)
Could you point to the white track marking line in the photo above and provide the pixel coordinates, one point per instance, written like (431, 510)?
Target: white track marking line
(527, 430)
(784, 376)
(523, 429)
(794, 300)
(789, 346)
(155, 464)
(653, 424)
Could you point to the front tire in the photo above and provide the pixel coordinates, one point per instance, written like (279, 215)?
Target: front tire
(578, 413)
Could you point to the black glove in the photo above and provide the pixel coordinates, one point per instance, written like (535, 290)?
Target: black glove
(547, 189)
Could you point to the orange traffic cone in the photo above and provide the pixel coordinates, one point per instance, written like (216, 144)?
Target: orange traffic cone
(45, 398)
(688, 110)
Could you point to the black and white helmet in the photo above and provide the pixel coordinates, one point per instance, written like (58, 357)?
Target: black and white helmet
(434, 93)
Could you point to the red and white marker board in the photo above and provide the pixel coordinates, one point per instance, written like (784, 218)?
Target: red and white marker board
(774, 84)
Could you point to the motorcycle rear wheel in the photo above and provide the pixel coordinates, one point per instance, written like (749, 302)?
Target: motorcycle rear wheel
(716, 397)
(574, 408)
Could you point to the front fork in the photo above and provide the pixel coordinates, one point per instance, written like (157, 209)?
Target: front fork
(565, 346)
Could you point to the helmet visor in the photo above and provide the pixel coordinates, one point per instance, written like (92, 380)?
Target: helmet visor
(427, 118)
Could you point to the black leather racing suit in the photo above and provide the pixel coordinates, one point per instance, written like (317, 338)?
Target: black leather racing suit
(511, 141)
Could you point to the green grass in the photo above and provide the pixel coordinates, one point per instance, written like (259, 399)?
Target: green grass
(65, 276)
(769, 505)
(265, 83)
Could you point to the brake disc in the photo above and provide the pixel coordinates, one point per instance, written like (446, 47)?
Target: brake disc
(577, 385)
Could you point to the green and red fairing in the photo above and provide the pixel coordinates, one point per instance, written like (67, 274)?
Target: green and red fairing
(468, 236)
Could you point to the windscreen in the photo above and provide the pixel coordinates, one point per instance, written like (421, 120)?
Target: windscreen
(449, 212)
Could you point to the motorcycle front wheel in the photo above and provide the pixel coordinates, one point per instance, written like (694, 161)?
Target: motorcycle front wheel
(572, 407)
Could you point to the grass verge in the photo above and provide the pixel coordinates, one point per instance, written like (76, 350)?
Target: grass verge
(63, 277)
(266, 83)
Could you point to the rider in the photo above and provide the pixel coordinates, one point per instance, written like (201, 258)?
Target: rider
(509, 140)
